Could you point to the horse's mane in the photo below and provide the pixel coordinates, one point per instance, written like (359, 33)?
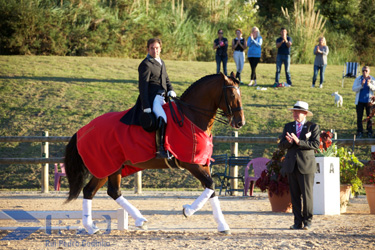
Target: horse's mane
(193, 85)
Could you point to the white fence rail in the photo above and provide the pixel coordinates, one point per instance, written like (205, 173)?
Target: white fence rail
(234, 140)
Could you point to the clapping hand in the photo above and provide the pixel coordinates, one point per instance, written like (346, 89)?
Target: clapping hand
(364, 81)
(292, 138)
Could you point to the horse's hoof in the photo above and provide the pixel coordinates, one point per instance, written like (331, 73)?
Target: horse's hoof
(183, 212)
(225, 232)
(143, 226)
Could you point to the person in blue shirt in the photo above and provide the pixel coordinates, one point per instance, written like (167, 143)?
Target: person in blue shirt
(283, 44)
(364, 86)
(254, 42)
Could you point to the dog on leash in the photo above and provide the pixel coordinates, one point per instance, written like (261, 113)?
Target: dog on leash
(338, 99)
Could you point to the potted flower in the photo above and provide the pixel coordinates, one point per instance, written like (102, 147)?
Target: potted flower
(349, 165)
(367, 176)
(326, 148)
(350, 183)
(276, 184)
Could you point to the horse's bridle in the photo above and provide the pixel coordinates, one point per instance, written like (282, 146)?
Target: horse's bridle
(229, 112)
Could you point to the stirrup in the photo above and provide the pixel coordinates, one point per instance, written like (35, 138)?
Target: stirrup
(163, 155)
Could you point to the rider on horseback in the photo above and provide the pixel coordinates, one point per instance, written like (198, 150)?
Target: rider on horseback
(154, 87)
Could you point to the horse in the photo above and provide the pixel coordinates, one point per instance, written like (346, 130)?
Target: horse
(200, 104)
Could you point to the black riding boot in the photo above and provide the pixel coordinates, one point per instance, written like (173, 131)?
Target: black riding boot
(239, 76)
(160, 134)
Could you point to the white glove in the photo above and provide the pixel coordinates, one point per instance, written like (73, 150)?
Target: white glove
(171, 93)
(148, 110)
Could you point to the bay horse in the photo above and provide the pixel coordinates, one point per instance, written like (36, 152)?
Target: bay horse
(198, 104)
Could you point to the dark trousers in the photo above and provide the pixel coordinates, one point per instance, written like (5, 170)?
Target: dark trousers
(220, 59)
(301, 192)
(253, 65)
(322, 69)
(359, 108)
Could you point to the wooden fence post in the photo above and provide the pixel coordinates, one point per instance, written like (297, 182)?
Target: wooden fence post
(138, 182)
(234, 170)
(45, 167)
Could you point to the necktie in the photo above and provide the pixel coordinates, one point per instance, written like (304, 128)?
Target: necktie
(299, 129)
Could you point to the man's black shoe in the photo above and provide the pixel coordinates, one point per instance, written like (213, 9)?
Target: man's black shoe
(369, 134)
(295, 227)
(359, 135)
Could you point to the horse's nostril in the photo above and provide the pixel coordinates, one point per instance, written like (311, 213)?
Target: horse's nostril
(239, 124)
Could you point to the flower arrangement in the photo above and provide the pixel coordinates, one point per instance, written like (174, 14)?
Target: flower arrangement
(272, 178)
(349, 166)
(326, 148)
(367, 173)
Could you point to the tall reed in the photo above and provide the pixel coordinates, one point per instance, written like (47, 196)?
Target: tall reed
(306, 26)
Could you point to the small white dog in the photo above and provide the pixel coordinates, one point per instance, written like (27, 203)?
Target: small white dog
(338, 99)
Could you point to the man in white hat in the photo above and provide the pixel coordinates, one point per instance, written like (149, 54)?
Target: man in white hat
(300, 138)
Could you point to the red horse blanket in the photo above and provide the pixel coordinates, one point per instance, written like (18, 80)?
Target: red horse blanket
(106, 143)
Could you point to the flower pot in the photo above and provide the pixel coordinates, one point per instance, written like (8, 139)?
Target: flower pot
(370, 194)
(280, 203)
(345, 190)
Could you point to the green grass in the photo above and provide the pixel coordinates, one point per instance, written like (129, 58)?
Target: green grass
(61, 94)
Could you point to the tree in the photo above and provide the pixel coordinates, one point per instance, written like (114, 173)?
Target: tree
(340, 14)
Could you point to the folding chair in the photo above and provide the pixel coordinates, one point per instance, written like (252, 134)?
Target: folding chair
(352, 69)
(221, 163)
(58, 175)
(258, 165)
(241, 162)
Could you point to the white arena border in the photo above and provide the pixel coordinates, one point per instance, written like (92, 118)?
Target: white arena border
(120, 215)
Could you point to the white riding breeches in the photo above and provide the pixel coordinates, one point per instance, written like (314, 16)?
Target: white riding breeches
(157, 107)
(239, 59)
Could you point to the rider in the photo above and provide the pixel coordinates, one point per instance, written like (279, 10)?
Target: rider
(154, 87)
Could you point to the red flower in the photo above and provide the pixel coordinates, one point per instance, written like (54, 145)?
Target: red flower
(325, 140)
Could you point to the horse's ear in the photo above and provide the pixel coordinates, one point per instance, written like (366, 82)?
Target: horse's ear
(232, 75)
(224, 76)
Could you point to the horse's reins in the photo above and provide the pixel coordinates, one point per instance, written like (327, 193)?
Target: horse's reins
(229, 112)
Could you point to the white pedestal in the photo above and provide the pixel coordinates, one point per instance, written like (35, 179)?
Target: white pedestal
(326, 191)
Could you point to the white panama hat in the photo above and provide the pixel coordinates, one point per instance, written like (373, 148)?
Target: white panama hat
(304, 106)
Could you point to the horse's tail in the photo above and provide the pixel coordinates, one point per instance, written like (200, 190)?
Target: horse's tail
(75, 169)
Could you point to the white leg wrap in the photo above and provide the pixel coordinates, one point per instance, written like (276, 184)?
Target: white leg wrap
(218, 215)
(87, 217)
(133, 211)
(189, 210)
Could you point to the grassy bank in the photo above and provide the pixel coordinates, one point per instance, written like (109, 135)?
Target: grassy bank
(61, 94)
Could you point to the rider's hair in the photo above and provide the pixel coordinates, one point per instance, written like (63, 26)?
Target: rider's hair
(153, 40)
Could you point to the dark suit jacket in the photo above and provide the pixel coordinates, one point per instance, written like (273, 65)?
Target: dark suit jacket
(302, 154)
(152, 79)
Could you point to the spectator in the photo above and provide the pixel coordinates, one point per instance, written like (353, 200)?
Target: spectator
(320, 51)
(254, 43)
(239, 45)
(283, 44)
(364, 86)
(221, 46)
(300, 137)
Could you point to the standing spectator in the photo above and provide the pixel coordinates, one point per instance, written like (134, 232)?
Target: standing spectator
(364, 86)
(300, 138)
(283, 44)
(221, 46)
(239, 45)
(254, 42)
(320, 51)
